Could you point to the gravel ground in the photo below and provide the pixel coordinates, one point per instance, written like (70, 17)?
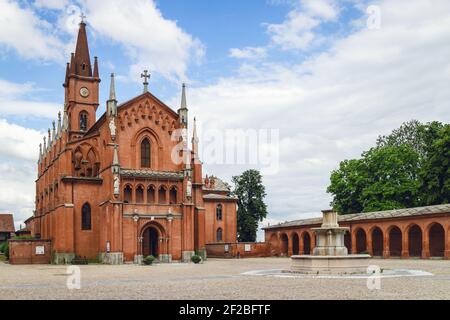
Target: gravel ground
(218, 279)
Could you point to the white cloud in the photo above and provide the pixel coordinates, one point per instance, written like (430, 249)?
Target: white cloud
(14, 102)
(19, 142)
(248, 53)
(51, 4)
(297, 31)
(326, 9)
(18, 155)
(334, 105)
(150, 40)
(27, 34)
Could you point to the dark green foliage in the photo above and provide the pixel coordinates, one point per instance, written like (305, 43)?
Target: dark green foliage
(196, 259)
(4, 248)
(408, 168)
(435, 172)
(148, 260)
(250, 191)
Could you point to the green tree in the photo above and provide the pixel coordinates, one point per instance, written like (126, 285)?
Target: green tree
(250, 192)
(414, 134)
(435, 172)
(409, 167)
(392, 178)
(347, 185)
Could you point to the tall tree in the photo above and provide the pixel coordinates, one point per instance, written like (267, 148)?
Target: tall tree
(409, 167)
(392, 178)
(250, 191)
(347, 185)
(435, 172)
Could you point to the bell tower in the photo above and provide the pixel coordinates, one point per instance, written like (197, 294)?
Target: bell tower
(81, 87)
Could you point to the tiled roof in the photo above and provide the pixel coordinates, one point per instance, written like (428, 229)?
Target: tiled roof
(7, 223)
(218, 185)
(399, 213)
(218, 196)
(165, 175)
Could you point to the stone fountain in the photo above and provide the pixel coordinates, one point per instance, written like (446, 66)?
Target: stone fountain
(330, 256)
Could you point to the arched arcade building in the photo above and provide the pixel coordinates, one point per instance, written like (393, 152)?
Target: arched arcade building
(422, 232)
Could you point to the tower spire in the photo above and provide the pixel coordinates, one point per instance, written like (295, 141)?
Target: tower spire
(82, 58)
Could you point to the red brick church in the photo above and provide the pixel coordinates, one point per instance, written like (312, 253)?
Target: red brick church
(125, 185)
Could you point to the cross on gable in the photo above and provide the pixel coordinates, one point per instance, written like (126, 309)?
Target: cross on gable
(82, 16)
(146, 75)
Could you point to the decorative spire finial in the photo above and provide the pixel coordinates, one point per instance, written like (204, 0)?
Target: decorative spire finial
(59, 123)
(146, 75)
(183, 111)
(53, 130)
(112, 102)
(183, 97)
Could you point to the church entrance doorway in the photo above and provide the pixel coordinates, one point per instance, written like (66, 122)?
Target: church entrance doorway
(150, 243)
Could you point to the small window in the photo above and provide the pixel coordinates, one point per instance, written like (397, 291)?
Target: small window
(173, 195)
(86, 217)
(162, 195)
(127, 194)
(145, 153)
(83, 121)
(151, 195)
(219, 212)
(219, 234)
(140, 194)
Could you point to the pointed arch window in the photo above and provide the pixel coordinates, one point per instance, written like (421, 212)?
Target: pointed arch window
(83, 121)
(86, 223)
(127, 194)
(145, 153)
(173, 195)
(219, 234)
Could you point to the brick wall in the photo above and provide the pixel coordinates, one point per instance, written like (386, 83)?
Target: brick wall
(235, 250)
(30, 251)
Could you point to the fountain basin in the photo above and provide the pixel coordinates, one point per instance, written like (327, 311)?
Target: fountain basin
(348, 264)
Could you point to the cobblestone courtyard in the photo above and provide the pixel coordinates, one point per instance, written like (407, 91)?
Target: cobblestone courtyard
(219, 279)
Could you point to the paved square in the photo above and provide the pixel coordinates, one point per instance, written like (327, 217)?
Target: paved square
(219, 279)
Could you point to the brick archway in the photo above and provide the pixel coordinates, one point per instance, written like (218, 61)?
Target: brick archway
(361, 241)
(306, 238)
(415, 241)
(274, 244)
(436, 240)
(395, 241)
(295, 244)
(348, 241)
(284, 244)
(152, 237)
(377, 242)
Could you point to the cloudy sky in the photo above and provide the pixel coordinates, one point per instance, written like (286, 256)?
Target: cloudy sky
(329, 76)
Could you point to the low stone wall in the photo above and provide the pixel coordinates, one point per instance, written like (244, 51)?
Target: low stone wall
(30, 251)
(237, 250)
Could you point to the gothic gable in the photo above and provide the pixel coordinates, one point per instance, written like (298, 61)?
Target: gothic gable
(147, 108)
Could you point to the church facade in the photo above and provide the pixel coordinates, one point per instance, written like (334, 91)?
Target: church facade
(125, 185)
